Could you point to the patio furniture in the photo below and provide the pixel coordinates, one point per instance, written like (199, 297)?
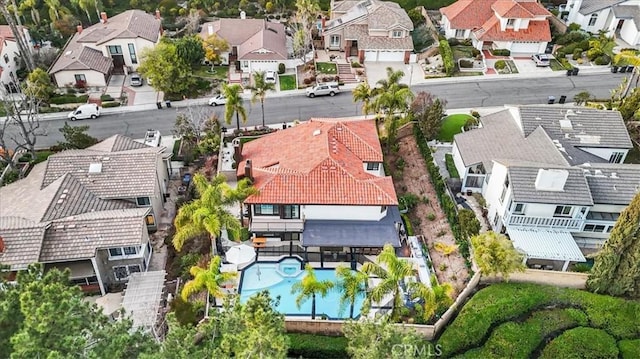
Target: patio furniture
(240, 254)
(259, 242)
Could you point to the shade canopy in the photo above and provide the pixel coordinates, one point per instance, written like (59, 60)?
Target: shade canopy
(240, 254)
(546, 244)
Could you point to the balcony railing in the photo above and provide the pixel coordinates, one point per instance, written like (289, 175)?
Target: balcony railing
(276, 225)
(571, 224)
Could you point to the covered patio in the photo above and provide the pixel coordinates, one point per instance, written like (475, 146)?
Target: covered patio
(546, 245)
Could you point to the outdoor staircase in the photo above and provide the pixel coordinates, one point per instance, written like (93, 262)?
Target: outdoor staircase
(346, 76)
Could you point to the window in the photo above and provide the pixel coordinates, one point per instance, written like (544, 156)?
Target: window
(505, 188)
(85, 281)
(291, 236)
(6, 58)
(396, 33)
(383, 209)
(616, 157)
(593, 19)
(519, 208)
(123, 272)
(132, 53)
(129, 251)
(143, 201)
(151, 220)
(335, 40)
(562, 211)
(460, 33)
(291, 212)
(124, 252)
(80, 78)
(596, 228)
(266, 210)
(373, 166)
(115, 49)
(511, 22)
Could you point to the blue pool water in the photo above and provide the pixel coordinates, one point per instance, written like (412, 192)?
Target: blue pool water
(278, 277)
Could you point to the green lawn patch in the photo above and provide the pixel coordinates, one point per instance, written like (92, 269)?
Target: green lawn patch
(311, 346)
(218, 72)
(556, 65)
(41, 156)
(506, 317)
(462, 51)
(630, 349)
(327, 68)
(451, 166)
(176, 149)
(582, 343)
(452, 125)
(287, 82)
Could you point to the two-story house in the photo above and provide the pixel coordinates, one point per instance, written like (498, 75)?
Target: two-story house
(520, 26)
(322, 185)
(619, 18)
(86, 210)
(370, 30)
(553, 179)
(10, 57)
(112, 46)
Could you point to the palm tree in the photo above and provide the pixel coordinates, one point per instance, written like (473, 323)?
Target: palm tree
(208, 213)
(235, 104)
(435, 298)
(209, 278)
(351, 285)
(309, 287)
(363, 92)
(391, 270)
(393, 78)
(259, 90)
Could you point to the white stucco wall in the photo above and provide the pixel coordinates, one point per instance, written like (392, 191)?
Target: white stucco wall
(630, 33)
(139, 44)
(605, 153)
(94, 78)
(493, 190)
(457, 160)
(364, 213)
(10, 48)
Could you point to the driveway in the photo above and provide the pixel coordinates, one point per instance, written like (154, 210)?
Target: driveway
(378, 71)
(527, 66)
(141, 95)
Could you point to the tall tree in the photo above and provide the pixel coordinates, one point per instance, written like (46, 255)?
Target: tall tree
(469, 224)
(185, 341)
(209, 278)
(259, 90)
(310, 287)
(307, 12)
(170, 73)
(352, 284)
(434, 298)
(494, 254)
(23, 46)
(365, 94)
(392, 98)
(39, 85)
(190, 50)
(214, 46)
(380, 338)
(208, 213)
(234, 105)
(617, 265)
(76, 137)
(391, 270)
(428, 111)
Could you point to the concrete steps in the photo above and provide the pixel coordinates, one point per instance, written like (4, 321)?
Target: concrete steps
(346, 76)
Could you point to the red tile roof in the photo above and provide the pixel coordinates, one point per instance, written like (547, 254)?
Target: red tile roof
(318, 162)
(473, 14)
(536, 31)
(510, 9)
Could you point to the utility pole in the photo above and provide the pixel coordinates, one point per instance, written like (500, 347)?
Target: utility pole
(25, 50)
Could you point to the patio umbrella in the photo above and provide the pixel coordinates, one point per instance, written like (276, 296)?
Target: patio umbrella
(240, 254)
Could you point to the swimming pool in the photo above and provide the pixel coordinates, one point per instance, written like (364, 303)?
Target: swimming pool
(278, 277)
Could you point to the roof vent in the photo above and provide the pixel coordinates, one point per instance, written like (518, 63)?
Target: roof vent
(599, 173)
(538, 118)
(551, 180)
(569, 113)
(65, 191)
(106, 158)
(614, 175)
(60, 226)
(60, 201)
(316, 132)
(71, 226)
(566, 125)
(95, 167)
(615, 188)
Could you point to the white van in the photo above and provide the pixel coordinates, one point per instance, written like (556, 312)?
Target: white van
(90, 110)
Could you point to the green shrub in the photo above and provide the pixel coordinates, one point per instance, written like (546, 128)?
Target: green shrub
(64, 99)
(475, 52)
(356, 64)
(453, 41)
(431, 216)
(602, 60)
(409, 200)
(569, 48)
(630, 349)
(447, 57)
(106, 98)
(582, 343)
(501, 52)
(500, 65)
(451, 166)
(316, 346)
(407, 224)
(577, 53)
(111, 104)
(560, 54)
(281, 68)
(465, 64)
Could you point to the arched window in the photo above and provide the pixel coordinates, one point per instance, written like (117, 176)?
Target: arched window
(593, 19)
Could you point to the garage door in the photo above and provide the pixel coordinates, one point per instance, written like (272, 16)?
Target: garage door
(371, 56)
(525, 47)
(390, 56)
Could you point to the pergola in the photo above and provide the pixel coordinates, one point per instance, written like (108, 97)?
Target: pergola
(142, 298)
(546, 244)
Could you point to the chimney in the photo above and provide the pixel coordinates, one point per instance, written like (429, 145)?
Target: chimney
(1, 245)
(103, 16)
(79, 29)
(158, 14)
(247, 170)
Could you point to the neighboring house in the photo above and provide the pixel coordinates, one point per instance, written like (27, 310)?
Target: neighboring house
(323, 185)
(254, 44)
(86, 210)
(370, 30)
(10, 57)
(520, 26)
(112, 46)
(616, 17)
(553, 179)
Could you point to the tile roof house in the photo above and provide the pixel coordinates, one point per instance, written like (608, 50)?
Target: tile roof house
(105, 48)
(321, 182)
(254, 44)
(616, 17)
(68, 214)
(370, 30)
(520, 26)
(550, 172)
(10, 56)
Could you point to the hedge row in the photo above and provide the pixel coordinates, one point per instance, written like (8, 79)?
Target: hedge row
(311, 346)
(447, 57)
(448, 205)
(60, 100)
(451, 166)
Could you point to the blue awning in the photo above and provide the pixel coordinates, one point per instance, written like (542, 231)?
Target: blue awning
(336, 233)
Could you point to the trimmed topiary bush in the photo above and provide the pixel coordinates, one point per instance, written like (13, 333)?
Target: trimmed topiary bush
(582, 343)
(465, 64)
(500, 65)
(602, 60)
(281, 68)
(501, 52)
(577, 54)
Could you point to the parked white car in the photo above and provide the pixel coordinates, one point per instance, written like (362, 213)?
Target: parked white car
(218, 100)
(329, 88)
(270, 77)
(541, 60)
(90, 110)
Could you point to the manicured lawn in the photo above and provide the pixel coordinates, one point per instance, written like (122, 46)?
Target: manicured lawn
(287, 82)
(556, 65)
(219, 72)
(452, 125)
(518, 320)
(327, 68)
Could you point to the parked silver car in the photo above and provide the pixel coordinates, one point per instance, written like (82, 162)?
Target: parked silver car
(136, 80)
(328, 88)
(541, 60)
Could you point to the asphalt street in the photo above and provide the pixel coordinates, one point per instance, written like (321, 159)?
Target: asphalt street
(468, 94)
